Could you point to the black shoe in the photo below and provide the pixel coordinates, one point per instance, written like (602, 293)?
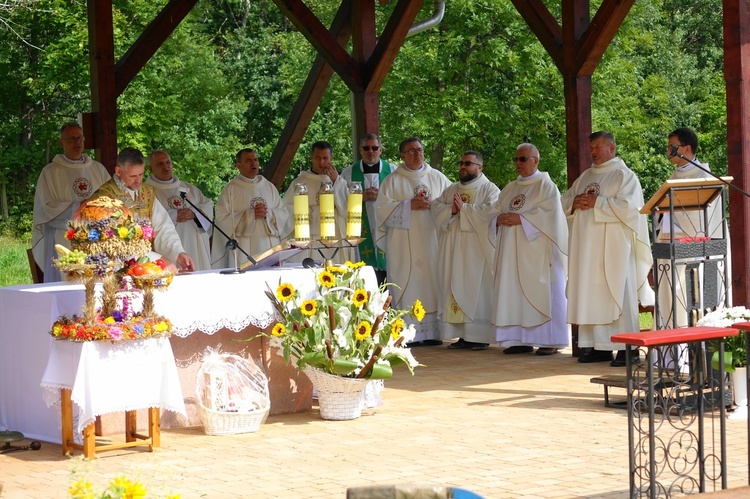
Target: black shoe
(620, 358)
(479, 346)
(432, 343)
(459, 345)
(546, 351)
(595, 356)
(518, 349)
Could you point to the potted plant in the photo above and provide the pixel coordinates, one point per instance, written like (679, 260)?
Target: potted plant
(342, 336)
(734, 346)
(735, 354)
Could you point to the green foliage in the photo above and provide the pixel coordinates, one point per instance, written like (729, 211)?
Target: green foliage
(14, 266)
(231, 72)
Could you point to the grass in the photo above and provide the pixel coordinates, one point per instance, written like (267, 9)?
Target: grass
(14, 266)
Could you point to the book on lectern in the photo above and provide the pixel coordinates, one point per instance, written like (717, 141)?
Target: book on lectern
(272, 256)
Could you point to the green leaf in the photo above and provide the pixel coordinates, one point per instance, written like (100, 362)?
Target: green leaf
(728, 364)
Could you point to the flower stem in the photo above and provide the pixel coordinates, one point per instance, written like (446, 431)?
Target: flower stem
(370, 362)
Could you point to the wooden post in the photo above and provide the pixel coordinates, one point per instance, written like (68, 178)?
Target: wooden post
(737, 76)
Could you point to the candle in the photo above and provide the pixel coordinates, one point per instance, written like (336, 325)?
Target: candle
(354, 211)
(301, 213)
(327, 212)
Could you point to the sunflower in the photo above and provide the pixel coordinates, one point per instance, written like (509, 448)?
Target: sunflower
(354, 266)
(326, 279)
(398, 326)
(278, 330)
(360, 297)
(309, 307)
(336, 269)
(418, 310)
(285, 292)
(363, 330)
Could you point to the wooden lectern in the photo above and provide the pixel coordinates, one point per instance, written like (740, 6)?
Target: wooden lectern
(693, 263)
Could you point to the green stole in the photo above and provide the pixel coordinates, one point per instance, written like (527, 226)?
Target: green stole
(368, 252)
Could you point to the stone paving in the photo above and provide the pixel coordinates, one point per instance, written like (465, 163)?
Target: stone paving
(498, 425)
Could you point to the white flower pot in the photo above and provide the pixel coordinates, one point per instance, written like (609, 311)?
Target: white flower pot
(739, 386)
(339, 398)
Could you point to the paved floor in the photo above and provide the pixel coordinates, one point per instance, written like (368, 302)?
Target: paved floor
(498, 425)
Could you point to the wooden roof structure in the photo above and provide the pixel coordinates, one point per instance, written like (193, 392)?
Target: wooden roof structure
(576, 46)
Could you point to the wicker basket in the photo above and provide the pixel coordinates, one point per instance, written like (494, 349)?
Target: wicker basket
(230, 423)
(339, 398)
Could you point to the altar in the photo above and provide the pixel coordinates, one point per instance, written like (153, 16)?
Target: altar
(206, 309)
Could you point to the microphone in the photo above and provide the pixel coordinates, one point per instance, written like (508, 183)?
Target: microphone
(183, 192)
(673, 150)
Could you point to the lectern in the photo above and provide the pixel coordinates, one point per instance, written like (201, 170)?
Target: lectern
(689, 234)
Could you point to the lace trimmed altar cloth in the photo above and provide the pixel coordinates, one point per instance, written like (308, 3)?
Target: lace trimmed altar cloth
(107, 377)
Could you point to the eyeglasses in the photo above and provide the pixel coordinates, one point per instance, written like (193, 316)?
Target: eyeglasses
(415, 151)
(74, 140)
(468, 163)
(370, 148)
(522, 159)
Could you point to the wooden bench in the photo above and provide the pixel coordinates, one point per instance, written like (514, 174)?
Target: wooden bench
(612, 380)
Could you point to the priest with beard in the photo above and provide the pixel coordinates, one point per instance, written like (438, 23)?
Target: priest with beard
(465, 256)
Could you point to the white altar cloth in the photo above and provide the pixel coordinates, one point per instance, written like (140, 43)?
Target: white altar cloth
(107, 377)
(203, 301)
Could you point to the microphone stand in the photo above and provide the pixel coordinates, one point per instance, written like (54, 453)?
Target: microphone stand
(231, 245)
(674, 153)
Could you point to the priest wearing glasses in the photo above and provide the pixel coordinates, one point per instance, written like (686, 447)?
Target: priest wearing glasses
(370, 171)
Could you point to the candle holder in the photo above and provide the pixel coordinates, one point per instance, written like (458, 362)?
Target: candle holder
(326, 244)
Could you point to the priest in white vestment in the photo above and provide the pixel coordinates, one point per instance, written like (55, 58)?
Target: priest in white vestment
(193, 228)
(249, 210)
(370, 171)
(609, 252)
(70, 178)
(530, 264)
(408, 235)
(681, 146)
(127, 185)
(466, 256)
(321, 172)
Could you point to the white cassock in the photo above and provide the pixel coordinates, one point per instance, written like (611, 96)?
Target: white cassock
(530, 265)
(465, 260)
(409, 238)
(313, 181)
(194, 233)
(688, 224)
(235, 215)
(609, 255)
(61, 187)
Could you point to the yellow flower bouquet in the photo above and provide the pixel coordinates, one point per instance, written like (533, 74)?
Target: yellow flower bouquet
(343, 329)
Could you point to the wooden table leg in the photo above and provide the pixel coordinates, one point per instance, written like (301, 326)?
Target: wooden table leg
(154, 427)
(89, 441)
(131, 426)
(66, 415)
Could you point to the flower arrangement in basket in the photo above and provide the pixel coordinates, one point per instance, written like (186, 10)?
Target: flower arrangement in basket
(343, 330)
(735, 354)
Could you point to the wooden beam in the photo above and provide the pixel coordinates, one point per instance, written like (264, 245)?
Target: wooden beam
(155, 34)
(737, 76)
(307, 103)
(599, 34)
(390, 43)
(544, 26)
(324, 42)
(102, 74)
(365, 104)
